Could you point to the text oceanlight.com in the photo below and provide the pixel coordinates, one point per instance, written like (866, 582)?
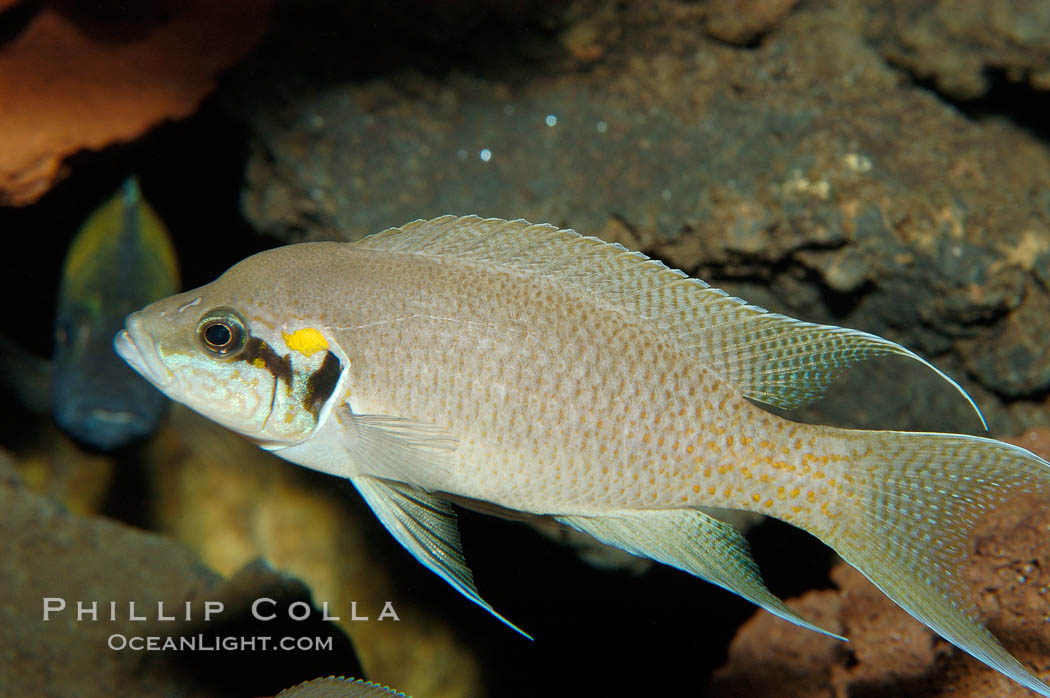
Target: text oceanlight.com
(208, 643)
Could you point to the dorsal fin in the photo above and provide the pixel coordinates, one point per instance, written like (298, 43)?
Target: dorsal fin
(769, 357)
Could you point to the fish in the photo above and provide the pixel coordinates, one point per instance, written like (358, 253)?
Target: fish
(340, 687)
(121, 259)
(528, 368)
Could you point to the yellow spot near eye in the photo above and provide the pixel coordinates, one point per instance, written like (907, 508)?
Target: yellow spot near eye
(258, 362)
(306, 341)
(756, 498)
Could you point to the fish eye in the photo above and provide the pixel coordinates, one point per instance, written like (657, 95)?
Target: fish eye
(222, 333)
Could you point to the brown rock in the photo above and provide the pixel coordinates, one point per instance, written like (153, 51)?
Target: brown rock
(48, 553)
(958, 43)
(70, 82)
(742, 21)
(800, 662)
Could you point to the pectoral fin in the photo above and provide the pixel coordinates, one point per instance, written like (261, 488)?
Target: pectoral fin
(694, 542)
(402, 449)
(426, 526)
(379, 446)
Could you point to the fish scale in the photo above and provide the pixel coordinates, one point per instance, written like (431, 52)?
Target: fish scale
(532, 371)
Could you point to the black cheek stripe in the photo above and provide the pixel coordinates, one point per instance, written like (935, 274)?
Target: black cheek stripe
(279, 366)
(321, 383)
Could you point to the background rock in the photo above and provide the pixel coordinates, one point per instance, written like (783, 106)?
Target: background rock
(46, 552)
(961, 45)
(76, 78)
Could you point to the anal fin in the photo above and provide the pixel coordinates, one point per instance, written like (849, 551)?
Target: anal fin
(426, 526)
(693, 542)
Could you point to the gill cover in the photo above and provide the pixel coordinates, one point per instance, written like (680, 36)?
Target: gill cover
(303, 371)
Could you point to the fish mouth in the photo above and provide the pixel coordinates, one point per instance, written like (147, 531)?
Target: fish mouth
(134, 345)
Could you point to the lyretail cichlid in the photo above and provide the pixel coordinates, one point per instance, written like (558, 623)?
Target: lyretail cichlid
(533, 369)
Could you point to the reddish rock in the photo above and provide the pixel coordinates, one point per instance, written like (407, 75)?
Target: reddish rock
(70, 82)
(889, 652)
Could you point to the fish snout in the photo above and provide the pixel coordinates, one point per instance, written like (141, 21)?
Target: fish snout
(135, 345)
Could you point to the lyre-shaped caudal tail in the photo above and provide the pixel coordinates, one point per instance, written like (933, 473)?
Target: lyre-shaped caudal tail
(906, 517)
